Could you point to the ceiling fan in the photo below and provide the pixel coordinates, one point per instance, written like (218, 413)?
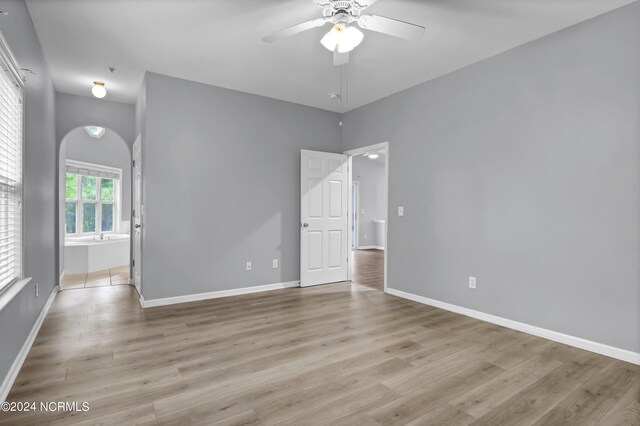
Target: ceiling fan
(343, 37)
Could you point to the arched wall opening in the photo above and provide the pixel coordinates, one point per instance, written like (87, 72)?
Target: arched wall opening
(95, 249)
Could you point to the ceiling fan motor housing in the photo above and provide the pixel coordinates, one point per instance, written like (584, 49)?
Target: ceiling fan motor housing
(342, 7)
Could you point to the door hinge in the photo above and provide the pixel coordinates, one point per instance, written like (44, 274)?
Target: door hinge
(134, 163)
(133, 262)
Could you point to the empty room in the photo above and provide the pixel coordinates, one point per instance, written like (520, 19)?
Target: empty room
(320, 212)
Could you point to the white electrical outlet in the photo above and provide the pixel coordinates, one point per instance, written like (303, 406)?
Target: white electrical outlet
(400, 210)
(37, 290)
(365, 236)
(472, 282)
(274, 263)
(248, 266)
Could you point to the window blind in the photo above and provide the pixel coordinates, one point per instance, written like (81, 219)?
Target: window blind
(11, 147)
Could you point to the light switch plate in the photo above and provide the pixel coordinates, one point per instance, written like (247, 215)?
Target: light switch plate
(401, 211)
(274, 263)
(248, 266)
(472, 282)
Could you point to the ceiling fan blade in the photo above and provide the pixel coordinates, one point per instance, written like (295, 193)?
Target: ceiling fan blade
(287, 32)
(340, 58)
(364, 3)
(391, 27)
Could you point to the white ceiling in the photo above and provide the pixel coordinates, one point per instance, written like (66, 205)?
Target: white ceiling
(220, 43)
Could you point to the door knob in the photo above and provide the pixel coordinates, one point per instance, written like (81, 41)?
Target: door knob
(305, 225)
(137, 225)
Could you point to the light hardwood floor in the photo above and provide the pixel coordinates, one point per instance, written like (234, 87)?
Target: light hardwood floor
(339, 354)
(368, 268)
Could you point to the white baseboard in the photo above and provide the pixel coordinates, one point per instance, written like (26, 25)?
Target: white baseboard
(12, 374)
(370, 248)
(578, 342)
(215, 294)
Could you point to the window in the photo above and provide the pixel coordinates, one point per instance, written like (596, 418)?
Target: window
(92, 198)
(95, 131)
(11, 148)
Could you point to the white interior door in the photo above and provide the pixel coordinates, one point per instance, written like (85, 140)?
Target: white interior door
(137, 214)
(324, 221)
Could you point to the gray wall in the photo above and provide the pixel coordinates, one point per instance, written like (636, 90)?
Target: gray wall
(370, 176)
(109, 150)
(222, 186)
(76, 111)
(140, 109)
(523, 170)
(18, 318)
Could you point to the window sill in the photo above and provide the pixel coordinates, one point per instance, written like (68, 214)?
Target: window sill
(12, 291)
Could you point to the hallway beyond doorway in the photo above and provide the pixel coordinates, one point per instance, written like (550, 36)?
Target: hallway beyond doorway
(368, 268)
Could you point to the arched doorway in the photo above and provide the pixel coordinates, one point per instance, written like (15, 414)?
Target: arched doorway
(94, 198)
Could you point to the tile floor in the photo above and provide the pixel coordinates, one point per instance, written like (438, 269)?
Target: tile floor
(113, 276)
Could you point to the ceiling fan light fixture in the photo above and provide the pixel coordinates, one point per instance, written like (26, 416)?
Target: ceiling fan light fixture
(351, 38)
(343, 37)
(332, 38)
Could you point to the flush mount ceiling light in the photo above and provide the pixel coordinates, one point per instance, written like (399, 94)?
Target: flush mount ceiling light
(344, 36)
(95, 131)
(98, 89)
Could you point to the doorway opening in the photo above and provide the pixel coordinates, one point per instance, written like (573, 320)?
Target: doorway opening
(368, 210)
(95, 209)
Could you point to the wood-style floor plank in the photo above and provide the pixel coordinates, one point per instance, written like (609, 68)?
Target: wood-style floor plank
(367, 268)
(339, 354)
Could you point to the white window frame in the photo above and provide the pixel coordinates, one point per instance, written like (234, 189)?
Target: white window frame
(12, 70)
(94, 170)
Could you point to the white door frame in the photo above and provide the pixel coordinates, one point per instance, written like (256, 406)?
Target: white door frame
(360, 151)
(137, 219)
(356, 214)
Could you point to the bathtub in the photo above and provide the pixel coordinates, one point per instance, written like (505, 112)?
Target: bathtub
(90, 254)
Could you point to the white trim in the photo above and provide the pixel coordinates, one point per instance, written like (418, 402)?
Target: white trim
(370, 248)
(98, 168)
(578, 342)
(64, 271)
(363, 150)
(356, 215)
(10, 291)
(215, 294)
(26, 347)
